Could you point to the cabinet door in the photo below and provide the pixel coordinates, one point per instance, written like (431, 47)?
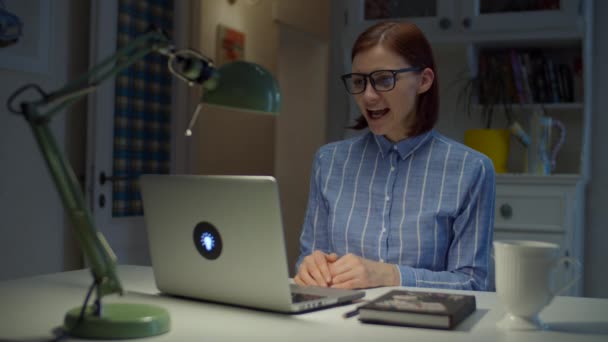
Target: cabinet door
(434, 17)
(502, 16)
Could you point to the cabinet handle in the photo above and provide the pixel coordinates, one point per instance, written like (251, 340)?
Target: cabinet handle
(506, 211)
(466, 22)
(445, 23)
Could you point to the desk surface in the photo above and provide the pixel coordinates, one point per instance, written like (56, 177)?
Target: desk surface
(32, 307)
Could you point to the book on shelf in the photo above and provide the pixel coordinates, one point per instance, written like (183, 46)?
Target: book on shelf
(529, 75)
(418, 309)
(518, 76)
(526, 67)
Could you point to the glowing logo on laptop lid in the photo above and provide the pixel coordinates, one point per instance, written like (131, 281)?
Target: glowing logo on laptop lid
(207, 240)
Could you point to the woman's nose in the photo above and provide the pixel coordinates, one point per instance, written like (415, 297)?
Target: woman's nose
(370, 92)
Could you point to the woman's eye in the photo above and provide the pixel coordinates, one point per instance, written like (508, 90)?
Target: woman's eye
(358, 82)
(384, 80)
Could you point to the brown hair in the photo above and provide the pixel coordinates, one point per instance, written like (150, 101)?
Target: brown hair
(408, 41)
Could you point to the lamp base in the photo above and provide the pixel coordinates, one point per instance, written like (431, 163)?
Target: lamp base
(118, 321)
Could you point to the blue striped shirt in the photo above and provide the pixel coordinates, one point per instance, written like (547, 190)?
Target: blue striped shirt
(425, 204)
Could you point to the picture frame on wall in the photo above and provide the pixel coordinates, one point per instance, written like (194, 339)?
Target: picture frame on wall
(230, 45)
(31, 52)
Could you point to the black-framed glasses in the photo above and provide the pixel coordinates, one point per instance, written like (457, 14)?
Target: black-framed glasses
(381, 80)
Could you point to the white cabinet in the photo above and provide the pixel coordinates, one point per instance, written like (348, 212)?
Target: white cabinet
(458, 20)
(434, 17)
(492, 16)
(543, 209)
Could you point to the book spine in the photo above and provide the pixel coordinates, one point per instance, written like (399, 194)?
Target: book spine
(517, 76)
(508, 75)
(566, 75)
(526, 75)
(539, 79)
(553, 81)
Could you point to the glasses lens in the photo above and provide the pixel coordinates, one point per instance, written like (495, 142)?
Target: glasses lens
(354, 83)
(383, 80)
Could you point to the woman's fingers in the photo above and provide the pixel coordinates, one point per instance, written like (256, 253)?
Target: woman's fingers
(304, 276)
(322, 267)
(350, 271)
(350, 284)
(298, 281)
(314, 269)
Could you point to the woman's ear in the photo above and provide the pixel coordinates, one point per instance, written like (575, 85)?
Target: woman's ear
(426, 81)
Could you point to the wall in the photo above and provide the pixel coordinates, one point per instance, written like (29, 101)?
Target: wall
(338, 106)
(596, 253)
(289, 38)
(35, 238)
(303, 65)
(229, 142)
(303, 53)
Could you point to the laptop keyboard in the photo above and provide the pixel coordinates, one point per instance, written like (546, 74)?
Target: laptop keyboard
(303, 297)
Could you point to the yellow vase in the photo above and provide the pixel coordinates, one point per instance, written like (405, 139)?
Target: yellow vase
(494, 143)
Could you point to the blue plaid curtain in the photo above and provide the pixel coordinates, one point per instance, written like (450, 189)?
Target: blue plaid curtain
(142, 122)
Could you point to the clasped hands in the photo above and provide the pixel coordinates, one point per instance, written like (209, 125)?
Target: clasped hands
(347, 272)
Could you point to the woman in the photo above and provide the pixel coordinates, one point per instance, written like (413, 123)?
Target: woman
(401, 204)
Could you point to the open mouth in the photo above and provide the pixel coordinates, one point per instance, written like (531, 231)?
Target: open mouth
(377, 114)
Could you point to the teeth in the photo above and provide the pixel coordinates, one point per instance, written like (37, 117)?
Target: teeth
(377, 113)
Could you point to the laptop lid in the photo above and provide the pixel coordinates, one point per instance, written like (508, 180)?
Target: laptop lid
(220, 238)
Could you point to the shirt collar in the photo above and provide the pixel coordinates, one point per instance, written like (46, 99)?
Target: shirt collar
(404, 147)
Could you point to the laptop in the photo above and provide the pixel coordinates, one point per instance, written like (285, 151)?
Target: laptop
(220, 239)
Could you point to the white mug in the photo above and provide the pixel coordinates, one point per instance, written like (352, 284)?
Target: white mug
(524, 280)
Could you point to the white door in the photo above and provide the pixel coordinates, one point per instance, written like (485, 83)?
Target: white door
(125, 235)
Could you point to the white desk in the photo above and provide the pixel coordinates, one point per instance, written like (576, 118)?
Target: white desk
(32, 307)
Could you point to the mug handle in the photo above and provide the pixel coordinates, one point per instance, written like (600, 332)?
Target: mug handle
(574, 279)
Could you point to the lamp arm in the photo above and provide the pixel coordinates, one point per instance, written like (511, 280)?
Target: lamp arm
(98, 253)
(92, 242)
(107, 68)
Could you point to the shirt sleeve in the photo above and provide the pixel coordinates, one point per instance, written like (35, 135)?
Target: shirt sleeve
(314, 235)
(470, 249)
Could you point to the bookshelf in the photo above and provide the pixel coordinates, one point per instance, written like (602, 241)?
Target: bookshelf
(531, 75)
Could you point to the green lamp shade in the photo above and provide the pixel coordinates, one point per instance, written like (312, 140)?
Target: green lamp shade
(243, 86)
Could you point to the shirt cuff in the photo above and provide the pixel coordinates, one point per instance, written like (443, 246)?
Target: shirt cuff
(407, 275)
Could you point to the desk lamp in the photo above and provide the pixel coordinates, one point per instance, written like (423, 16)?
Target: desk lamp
(238, 85)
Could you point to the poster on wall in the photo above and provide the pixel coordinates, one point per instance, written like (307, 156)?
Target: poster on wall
(230, 45)
(25, 35)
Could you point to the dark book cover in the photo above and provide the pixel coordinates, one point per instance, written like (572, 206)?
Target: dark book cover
(518, 75)
(508, 77)
(418, 309)
(551, 75)
(565, 74)
(539, 81)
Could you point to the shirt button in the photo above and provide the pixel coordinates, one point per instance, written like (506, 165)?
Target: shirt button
(381, 260)
(392, 168)
(387, 198)
(383, 229)
(395, 147)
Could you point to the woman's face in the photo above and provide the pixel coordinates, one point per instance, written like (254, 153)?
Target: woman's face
(390, 113)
